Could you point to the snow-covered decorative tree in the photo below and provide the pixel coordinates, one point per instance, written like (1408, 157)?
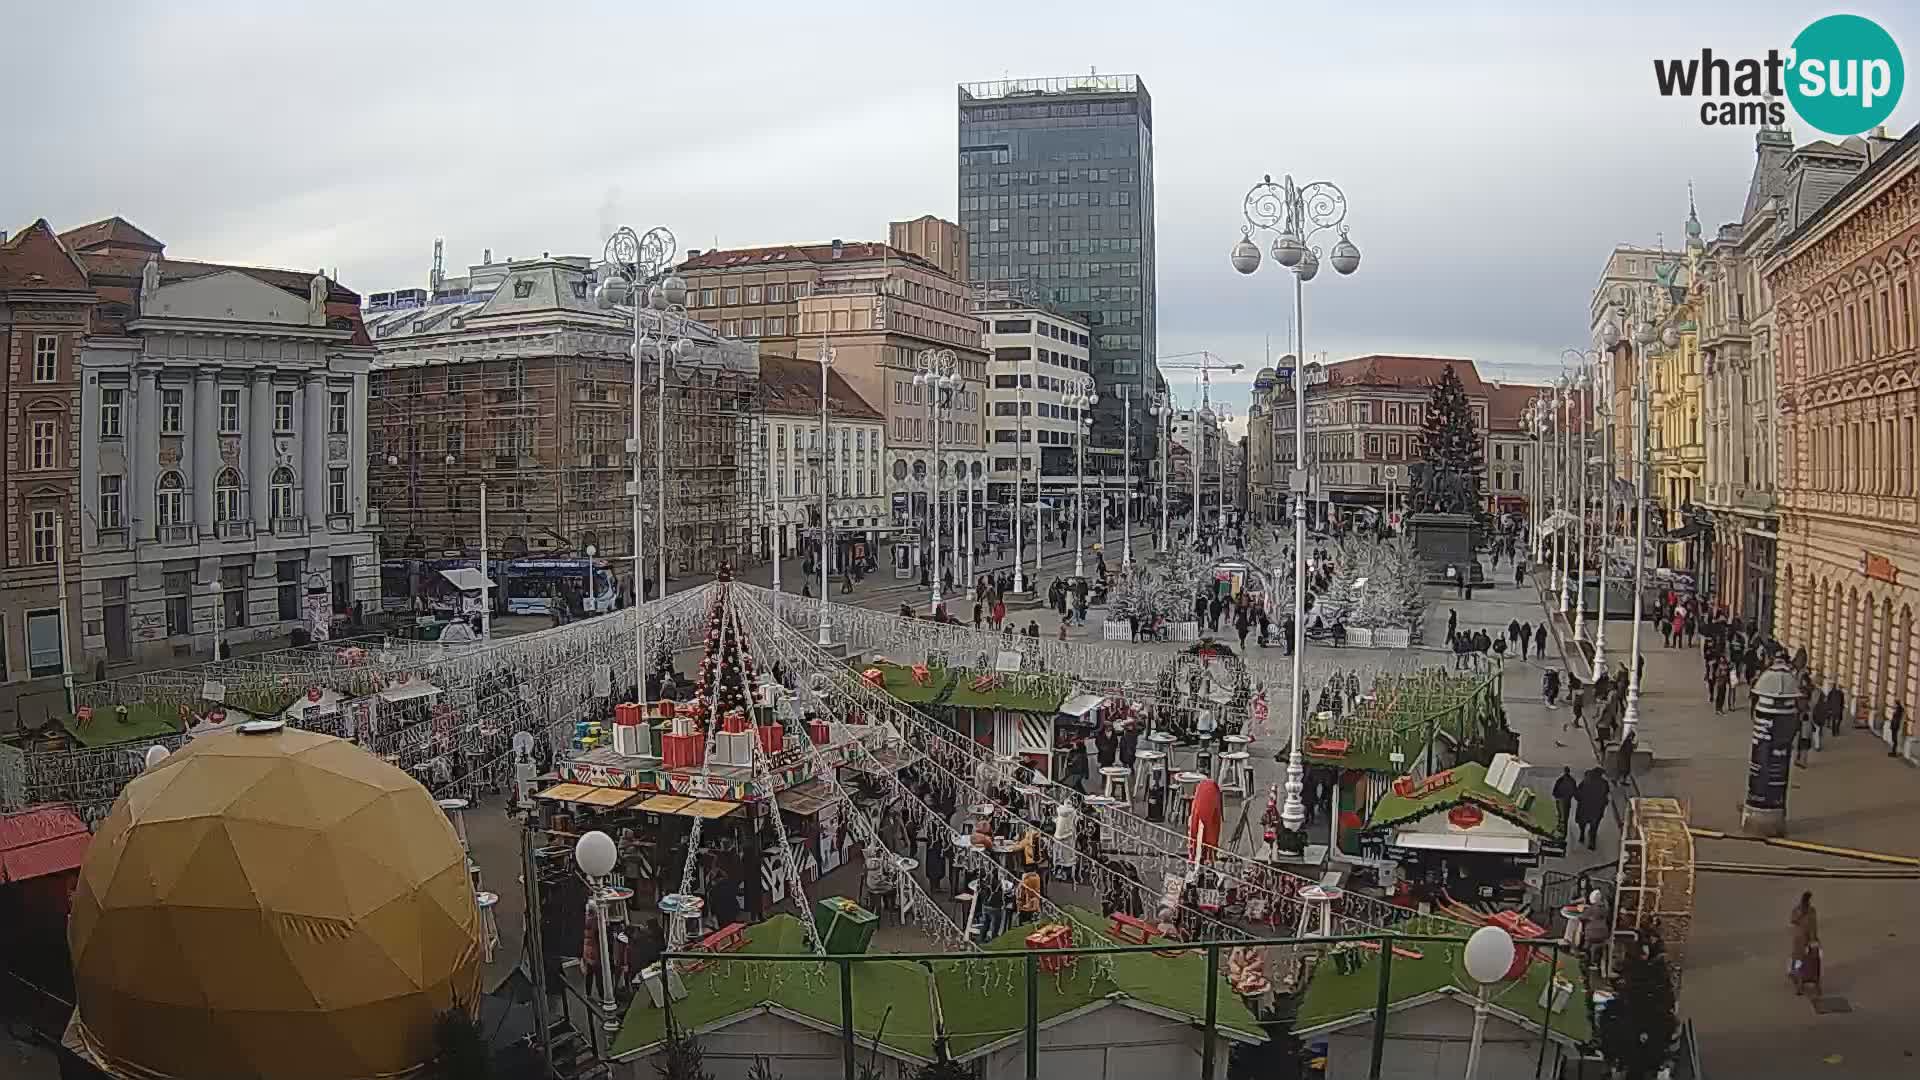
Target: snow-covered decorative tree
(1450, 447)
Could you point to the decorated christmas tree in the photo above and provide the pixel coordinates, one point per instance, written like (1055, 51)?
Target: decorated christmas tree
(1451, 450)
(1638, 1030)
(726, 672)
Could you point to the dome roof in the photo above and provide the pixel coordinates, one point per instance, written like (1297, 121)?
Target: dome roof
(1266, 378)
(281, 904)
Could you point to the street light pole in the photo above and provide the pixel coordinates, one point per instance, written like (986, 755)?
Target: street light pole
(1163, 415)
(1296, 215)
(1126, 495)
(1082, 402)
(1603, 406)
(825, 359)
(1019, 476)
(1643, 336)
(936, 375)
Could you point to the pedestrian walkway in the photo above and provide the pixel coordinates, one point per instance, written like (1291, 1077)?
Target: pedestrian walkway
(1851, 795)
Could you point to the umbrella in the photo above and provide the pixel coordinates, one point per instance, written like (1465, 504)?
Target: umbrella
(1203, 826)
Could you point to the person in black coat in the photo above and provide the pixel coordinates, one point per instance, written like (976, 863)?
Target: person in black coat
(1590, 802)
(1564, 789)
(1107, 744)
(1540, 639)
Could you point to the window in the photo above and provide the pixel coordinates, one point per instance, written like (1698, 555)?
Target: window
(337, 412)
(178, 585)
(283, 494)
(752, 328)
(776, 294)
(171, 500)
(226, 497)
(706, 297)
(732, 296)
(111, 512)
(456, 383)
(171, 411)
(283, 410)
(753, 294)
(44, 445)
(233, 595)
(777, 326)
(799, 290)
(111, 400)
(729, 328)
(337, 492)
(46, 358)
(41, 537)
(229, 412)
(44, 654)
(286, 573)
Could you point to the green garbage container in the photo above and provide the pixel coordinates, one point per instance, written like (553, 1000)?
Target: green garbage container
(845, 927)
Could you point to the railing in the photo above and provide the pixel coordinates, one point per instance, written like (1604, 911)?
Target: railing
(174, 535)
(234, 529)
(289, 526)
(1021, 974)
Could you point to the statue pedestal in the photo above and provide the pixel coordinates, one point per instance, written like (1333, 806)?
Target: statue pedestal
(1445, 540)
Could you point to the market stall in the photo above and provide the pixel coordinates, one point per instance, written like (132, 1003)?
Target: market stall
(1014, 713)
(1466, 833)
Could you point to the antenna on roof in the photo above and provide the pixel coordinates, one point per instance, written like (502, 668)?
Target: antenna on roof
(438, 277)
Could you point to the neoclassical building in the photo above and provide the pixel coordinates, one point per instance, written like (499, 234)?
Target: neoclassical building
(1844, 282)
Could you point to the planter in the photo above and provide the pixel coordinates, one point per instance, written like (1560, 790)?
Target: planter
(1360, 636)
(1184, 631)
(1391, 638)
(1116, 631)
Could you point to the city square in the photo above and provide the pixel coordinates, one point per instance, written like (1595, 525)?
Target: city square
(1013, 598)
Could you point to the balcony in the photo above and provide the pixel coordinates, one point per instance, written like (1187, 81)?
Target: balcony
(289, 526)
(111, 538)
(234, 529)
(178, 535)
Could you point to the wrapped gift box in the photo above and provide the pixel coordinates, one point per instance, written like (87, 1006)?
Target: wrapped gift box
(651, 976)
(773, 738)
(733, 748)
(735, 721)
(632, 740)
(627, 712)
(846, 928)
(1052, 936)
(818, 731)
(682, 751)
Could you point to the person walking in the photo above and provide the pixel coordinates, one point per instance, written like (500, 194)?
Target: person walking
(1564, 789)
(1590, 805)
(1550, 686)
(1453, 623)
(1718, 682)
(1623, 757)
(1540, 641)
(1803, 962)
(1526, 639)
(1513, 631)
(1577, 697)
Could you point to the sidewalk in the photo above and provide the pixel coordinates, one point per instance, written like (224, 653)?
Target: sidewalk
(1850, 795)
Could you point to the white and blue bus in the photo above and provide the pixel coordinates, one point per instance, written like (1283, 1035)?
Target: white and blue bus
(532, 584)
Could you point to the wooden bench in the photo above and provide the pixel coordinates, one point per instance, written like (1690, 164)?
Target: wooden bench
(729, 938)
(1125, 927)
(1398, 950)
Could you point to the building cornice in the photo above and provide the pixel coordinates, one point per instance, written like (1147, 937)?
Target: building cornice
(218, 328)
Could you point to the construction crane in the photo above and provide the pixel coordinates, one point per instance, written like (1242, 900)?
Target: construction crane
(1206, 364)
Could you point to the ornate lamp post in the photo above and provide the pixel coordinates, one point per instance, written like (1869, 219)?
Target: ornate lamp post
(1126, 492)
(1082, 402)
(937, 374)
(1637, 309)
(825, 359)
(640, 278)
(972, 470)
(1223, 415)
(1585, 361)
(1162, 410)
(1295, 215)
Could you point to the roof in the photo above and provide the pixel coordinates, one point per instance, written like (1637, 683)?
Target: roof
(1412, 372)
(1507, 404)
(113, 233)
(40, 841)
(1468, 784)
(793, 389)
(116, 277)
(34, 259)
(780, 256)
(955, 687)
(1860, 180)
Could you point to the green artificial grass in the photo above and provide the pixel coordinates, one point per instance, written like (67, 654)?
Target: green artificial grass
(143, 722)
(1332, 997)
(892, 992)
(953, 687)
(1469, 784)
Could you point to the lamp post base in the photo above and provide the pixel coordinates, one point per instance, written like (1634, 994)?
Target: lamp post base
(1758, 821)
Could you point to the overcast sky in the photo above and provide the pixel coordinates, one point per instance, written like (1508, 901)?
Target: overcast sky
(1491, 155)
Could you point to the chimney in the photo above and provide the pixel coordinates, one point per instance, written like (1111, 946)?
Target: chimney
(693, 253)
(836, 247)
(486, 255)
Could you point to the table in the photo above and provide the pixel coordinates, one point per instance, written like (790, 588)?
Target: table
(1126, 928)
(489, 928)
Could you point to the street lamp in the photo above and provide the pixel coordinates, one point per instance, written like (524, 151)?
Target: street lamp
(1162, 409)
(972, 471)
(1223, 415)
(937, 373)
(596, 855)
(1489, 959)
(1565, 385)
(640, 279)
(1637, 308)
(1586, 363)
(1081, 401)
(1603, 406)
(825, 359)
(1126, 475)
(1296, 215)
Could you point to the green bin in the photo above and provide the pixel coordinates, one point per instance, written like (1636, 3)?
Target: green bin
(845, 927)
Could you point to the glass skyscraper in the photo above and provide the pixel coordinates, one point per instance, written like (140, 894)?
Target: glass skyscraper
(1056, 195)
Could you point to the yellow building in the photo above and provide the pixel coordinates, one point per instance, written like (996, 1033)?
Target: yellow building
(1676, 392)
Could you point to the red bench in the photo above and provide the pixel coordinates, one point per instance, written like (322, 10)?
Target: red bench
(729, 938)
(1125, 927)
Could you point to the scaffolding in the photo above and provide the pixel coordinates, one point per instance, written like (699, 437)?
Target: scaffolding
(1653, 890)
(542, 415)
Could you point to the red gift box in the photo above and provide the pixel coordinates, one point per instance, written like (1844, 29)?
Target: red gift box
(773, 738)
(683, 751)
(626, 714)
(1052, 936)
(817, 731)
(735, 722)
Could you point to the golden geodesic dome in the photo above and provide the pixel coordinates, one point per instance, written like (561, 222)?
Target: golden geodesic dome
(281, 904)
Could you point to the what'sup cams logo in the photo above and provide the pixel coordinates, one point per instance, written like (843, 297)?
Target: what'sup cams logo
(1843, 76)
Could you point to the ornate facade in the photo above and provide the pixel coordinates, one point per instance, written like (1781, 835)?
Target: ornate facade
(1844, 284)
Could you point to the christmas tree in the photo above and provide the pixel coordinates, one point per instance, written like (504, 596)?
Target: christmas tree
(1638, 1030)
(726, 671)
(1451, 449)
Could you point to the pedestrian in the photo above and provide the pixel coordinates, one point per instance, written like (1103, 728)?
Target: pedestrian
(1033, 629)
(1590, 799)
(1063, 631)
(1513, 629)
(1623, 765)
(1719, 684)
(1803, 965)
(1564, 789)
(1453, 623)
(1577, 697)
(1550, 686)
(1526, 639)
(979, 610)
(1803, 738)
(1540, 641)
(1836, 708)
(1666, 631)
(1896, 728)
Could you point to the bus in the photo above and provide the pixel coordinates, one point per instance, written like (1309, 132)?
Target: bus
(415, 585)
(587, 585)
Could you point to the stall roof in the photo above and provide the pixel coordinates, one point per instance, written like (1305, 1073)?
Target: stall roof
(955, 687)
(41, 841)
(408, 691)
(564, 792)
(1486, 845)
(806, 799)
(607, 798)
(1468, 783)
(686, 807)
(1081, 704)
(465, 578)
(887, 759)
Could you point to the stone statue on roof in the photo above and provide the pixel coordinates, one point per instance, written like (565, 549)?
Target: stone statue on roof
(149, 279)
(317, 300)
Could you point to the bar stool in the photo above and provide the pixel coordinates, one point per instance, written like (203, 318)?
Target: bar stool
(455, 810)
(1188, 781)
(1116, 786)
(489, 928)
(1236, 773)
(1151, 768)
(1238, 742)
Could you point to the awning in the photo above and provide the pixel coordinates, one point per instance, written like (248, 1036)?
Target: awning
(465, 578)
(564, 792)
(887, 759)
(685, 807)
(606, 798)
(1081, 704)
(1480, 845)
(408, 691)
(805, 799)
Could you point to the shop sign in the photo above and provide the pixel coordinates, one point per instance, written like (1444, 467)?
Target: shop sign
(1879, 568)
(1465, 816)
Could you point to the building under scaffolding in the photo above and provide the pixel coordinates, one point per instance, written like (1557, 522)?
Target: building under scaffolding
(512, 377)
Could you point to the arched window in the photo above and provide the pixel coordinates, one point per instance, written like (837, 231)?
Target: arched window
(283, 494)
(228, 502)
(172, 499)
